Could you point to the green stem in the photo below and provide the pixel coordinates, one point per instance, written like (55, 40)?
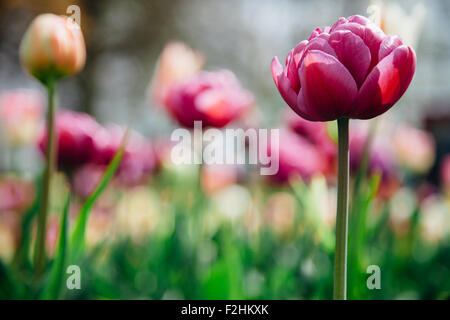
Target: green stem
(340, 260)
(39, 257)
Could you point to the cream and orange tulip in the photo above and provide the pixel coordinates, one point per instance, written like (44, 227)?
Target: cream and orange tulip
(176, 63)
(52, 47)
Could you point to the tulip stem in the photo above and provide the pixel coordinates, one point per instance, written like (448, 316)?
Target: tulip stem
(340, 258)
(39, 257)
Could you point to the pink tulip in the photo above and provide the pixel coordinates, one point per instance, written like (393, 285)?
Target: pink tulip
(351, 69)
(415, 149)
(176, 63)
(75, 138)
(215, 98)
(316, 134)
(86, 178)
(381, 157)
(296, 158)
(15, 195)
(216, 177)
(20, 113)
(445, 173)
(138, 159)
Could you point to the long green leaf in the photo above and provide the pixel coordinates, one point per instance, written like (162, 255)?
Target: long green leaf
(22, 252)
(54, 283)
(78, 237)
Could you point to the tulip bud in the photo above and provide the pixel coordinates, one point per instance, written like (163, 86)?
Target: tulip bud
(52, 47)
(176, 63)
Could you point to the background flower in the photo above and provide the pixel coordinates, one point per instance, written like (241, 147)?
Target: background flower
(215, 98)
(176, 63)
(20, 115)
(296, 158)
(414, 148)
(75, 133)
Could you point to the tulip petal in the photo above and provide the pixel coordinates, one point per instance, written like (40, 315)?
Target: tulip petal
(352, 53)
(328, 87)
(291, 71)
(283, 84)
(277, 69)
(388, 45)
(385, 84)
(320, 43)
(292, 65)
(370, 34)
(359, 19)
(305, 111)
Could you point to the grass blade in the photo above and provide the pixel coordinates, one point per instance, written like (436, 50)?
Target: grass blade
(78, 237)
(22, 253)
(54, 284)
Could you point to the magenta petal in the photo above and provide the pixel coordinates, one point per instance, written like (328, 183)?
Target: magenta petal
(328, 87)
(283, 84)
(291, 71)
(388, 45)
(298, 51)
(307, 111)
(385, 84)
(359, 19)
(277, 69)
(370, 34)
(339, 22)
(319, 43)
(352, 53)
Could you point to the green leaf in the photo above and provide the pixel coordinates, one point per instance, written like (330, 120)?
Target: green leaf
(22, 252)
(54, 283)
(78, 236)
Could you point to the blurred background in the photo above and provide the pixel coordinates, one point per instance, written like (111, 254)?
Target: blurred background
(228, 232)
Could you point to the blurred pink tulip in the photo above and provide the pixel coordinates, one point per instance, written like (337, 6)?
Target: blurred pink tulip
(297, 157)
(74, 136)
(351, 69)
(381, 159)
(20, 113)
(414, 148)
(215, 98)
(15, 195)
(138, 159)
(218, 176)
(176, 63)
(86, 178)
(445, 173)
(316, 134)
